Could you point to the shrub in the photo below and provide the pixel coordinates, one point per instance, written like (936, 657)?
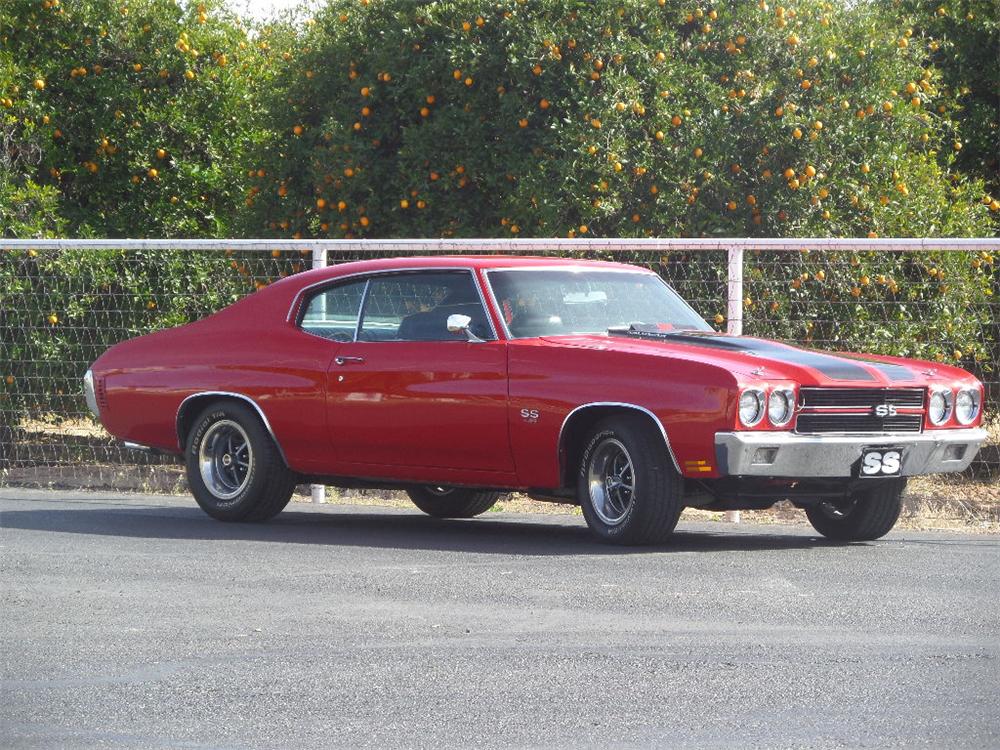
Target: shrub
(138, 113)
(470, 118)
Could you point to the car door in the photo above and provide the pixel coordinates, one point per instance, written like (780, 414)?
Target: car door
(409, 394)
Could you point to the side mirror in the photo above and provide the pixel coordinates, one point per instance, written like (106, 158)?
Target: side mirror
(460, 324)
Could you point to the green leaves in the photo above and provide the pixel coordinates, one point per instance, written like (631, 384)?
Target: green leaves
(120, 83)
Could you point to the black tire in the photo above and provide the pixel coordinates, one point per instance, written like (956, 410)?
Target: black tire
(452, 502)
(230, 494)
(646, 514)
(868, 515)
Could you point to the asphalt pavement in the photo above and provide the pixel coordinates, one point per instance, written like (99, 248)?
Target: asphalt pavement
(137, 621)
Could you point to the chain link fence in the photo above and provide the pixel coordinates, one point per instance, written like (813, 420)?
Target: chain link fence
(62, 303)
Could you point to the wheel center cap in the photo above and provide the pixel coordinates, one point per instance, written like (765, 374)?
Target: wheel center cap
(227, 459)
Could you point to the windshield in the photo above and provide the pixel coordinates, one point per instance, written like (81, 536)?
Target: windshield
(547, 302)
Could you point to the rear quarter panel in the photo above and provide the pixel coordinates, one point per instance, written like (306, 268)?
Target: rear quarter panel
(248, 349)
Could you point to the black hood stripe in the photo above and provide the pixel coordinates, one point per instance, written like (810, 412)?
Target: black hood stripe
(892, 371)
(832, 366)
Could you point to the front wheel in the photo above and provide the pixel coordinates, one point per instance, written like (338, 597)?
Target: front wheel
(452, 502)
(866, 515)
(628, 487)
(234, 468)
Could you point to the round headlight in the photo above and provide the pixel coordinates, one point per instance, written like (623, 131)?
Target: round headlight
(966, 405)
(751, 406)
(940, 407)
(779, 407)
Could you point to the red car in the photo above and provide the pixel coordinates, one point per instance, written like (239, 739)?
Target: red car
(459, 378)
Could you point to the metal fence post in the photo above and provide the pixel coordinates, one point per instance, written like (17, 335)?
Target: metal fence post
(318, 491)
(734, 306)
(734, 316)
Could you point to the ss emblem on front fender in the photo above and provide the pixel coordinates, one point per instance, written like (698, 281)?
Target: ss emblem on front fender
(529, 415)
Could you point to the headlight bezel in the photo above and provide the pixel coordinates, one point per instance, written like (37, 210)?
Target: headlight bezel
(788, 396)
(976, 400)
(761, 399)
(948, 397)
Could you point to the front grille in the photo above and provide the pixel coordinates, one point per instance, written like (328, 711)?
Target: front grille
(858, 423)
(855, 397)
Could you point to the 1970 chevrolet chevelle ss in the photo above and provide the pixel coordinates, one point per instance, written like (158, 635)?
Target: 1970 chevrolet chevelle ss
(458, 378)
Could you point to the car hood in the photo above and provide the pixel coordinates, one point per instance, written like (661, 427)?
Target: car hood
(771, 360)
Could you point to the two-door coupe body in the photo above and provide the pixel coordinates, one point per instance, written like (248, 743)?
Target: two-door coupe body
(458, 378)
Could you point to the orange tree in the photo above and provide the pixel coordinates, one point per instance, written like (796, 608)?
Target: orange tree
(962, 40)
(560, 118)
(117, 118)
(134, 113)
(639, 118)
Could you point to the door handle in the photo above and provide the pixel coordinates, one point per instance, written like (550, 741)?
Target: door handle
(344, 360)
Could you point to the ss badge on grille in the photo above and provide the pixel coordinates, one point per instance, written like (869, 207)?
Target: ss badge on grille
(884, 410)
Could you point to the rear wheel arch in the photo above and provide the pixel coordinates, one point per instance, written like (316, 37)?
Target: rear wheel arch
(578, 424)
(193, 405)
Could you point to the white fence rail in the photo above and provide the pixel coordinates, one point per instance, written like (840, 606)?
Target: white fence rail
(63, 301)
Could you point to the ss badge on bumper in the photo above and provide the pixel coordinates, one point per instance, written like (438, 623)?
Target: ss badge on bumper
(881, 462)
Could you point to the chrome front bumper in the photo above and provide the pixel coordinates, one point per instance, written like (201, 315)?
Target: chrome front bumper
(786, 454)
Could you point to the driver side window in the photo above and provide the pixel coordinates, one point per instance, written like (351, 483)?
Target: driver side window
(416, 307)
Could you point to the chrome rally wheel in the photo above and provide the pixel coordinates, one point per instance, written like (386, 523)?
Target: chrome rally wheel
(611, 481)
(225, 458)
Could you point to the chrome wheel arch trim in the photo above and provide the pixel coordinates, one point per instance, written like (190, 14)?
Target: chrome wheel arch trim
(228, 394)
(619, 404)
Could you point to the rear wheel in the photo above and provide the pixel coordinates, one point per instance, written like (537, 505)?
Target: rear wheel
(628, 487)
(867, 515)
(234, 468)
(452, 502)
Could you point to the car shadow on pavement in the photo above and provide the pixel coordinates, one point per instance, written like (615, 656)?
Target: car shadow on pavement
(390, 529)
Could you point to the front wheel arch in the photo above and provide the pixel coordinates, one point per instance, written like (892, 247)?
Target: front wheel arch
(581, 420)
